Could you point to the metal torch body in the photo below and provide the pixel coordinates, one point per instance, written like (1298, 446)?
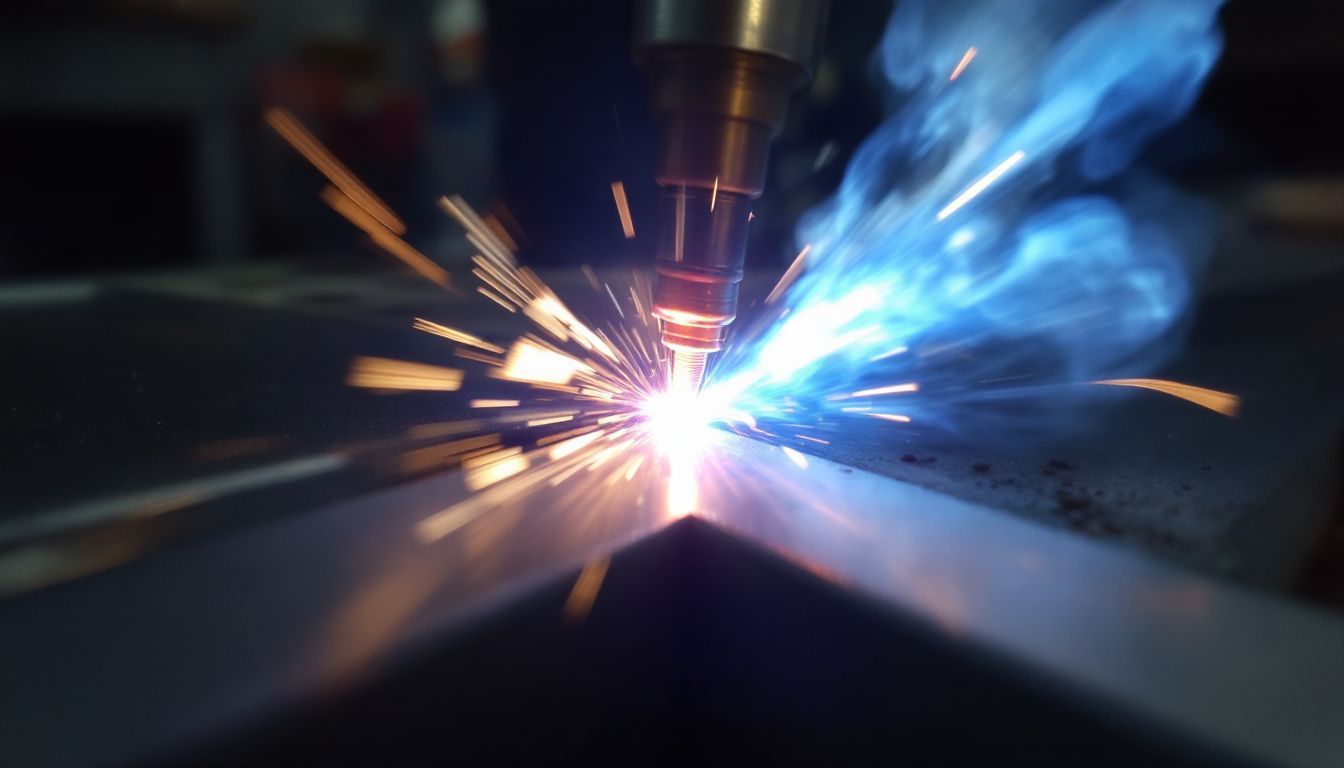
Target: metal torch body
(721, 74)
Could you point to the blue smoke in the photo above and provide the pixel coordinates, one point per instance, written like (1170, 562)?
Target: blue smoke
(986, 225)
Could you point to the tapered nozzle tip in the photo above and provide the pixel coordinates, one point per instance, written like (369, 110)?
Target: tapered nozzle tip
(688, 370)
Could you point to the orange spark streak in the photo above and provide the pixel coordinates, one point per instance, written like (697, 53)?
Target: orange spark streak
(795, 269)
(714, 195)
(383, 373)
(1223, 402)
(477, 232)
(497, 229)
(307, 145)
(586, 587)
(623, 209)
(497, 299)
(494, 403)
(386, 239)
(961, 66)
(549, 420)
(452, 334)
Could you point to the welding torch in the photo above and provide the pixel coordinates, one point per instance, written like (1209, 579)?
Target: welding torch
(721, 73)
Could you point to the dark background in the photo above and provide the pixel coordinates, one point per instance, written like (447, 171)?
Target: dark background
(133, 138)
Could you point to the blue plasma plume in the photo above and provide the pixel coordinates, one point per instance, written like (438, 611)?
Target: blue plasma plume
(990, 241)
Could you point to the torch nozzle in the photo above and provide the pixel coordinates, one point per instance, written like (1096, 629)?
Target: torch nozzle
(688, 370)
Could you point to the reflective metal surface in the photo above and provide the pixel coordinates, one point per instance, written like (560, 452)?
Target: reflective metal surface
(243, 622)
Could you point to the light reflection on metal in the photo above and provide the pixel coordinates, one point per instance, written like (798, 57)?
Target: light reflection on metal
(1160, 642)
(584, 594)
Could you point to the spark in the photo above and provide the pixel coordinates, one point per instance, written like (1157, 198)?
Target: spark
(902, 418)
(477, 232)
(813, 439)
(614, 302)
(453, 334)
(894, 389)
(1222, 402)
(497, 229)
(484, 471)
(981, 184)
(549, 420)
(586, 587)
(623, 209)
(889, 353)
(634, 466)
(477, 356)
(495, 403)
(961, 65)
(714, 195)
(385, 238)
(529, 361)
(589, 274)
(795, 269)
(573, 445)
(303, 141)
(497, 299)
(383, 373)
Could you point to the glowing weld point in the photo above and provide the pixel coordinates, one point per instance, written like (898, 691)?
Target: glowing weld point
(981, 184)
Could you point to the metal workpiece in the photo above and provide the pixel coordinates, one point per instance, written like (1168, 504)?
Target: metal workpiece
(315, 599)
(721, 75)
